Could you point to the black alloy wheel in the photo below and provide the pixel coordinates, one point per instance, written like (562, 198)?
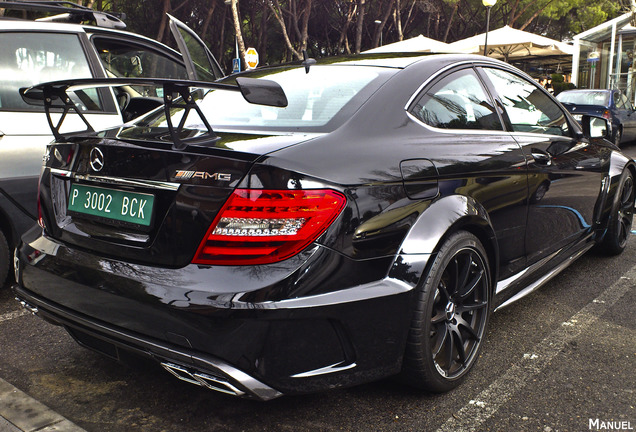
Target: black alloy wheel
(451, 316)
(621, 219)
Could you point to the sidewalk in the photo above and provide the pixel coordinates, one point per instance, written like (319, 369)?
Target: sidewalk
(21, 413)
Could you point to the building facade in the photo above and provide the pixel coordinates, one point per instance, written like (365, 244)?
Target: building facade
(603, 56)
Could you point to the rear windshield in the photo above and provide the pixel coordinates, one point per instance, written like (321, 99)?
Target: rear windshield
(585, 98)
(319, 100)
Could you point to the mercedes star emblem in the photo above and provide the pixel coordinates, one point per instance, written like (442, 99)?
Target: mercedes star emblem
(97, 159)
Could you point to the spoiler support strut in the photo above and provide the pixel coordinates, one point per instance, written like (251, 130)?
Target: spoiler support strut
(177, 94)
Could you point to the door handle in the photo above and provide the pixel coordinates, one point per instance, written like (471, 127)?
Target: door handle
(541, 157)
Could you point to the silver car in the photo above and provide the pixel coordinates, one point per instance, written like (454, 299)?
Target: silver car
(33, 52)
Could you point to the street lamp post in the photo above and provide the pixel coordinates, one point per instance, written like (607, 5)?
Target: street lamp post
(489, 4)
(378, 22)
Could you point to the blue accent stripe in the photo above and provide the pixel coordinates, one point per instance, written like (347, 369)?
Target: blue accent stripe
(584, 224)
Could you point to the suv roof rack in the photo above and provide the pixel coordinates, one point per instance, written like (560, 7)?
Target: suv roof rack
(67, 12)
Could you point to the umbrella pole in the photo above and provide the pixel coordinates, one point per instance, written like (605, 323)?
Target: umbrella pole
(487, 27)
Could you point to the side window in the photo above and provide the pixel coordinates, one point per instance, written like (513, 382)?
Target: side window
(624, 103)
(33, 58)
(457, 101)
(529, 109)
(206, 69)
(123, 59)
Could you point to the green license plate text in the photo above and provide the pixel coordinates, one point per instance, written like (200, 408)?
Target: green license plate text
(111, 204)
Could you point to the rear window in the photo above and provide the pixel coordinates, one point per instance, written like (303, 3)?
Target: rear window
(317, 101)
(32, 58)
(584, 98)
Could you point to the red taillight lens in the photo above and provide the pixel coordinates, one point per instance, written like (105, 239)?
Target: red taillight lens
(607, 115)
(266, 226)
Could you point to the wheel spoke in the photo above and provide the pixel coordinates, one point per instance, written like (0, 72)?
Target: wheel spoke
(471, 331)
(441, 343)
(453, 274)
(473, 284)
(625, 228)
(439, 318)
(472, 307)
(442, 289)
(626, 198)
(450, 354)
(459, 345)
(465, 274)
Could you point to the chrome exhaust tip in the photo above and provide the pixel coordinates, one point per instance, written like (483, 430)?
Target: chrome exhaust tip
(16, 265)
(29, 307)
(202, 379)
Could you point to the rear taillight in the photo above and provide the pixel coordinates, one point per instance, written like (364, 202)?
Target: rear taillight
(607, 115)
(266, 226)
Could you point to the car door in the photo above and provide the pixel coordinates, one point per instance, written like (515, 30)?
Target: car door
(474, 157)
(29, 57)
(199, 61)
(564, 170)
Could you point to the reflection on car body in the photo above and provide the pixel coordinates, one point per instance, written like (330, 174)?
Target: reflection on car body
(609, 104)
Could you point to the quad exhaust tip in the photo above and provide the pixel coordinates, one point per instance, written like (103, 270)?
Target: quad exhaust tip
(202, 379)
(252, 388)
(29, 307)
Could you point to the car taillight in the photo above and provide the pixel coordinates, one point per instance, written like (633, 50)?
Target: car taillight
(267, 226)
(607, 115)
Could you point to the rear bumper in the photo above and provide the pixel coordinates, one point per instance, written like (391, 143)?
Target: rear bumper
(311, 323)
(183, 363)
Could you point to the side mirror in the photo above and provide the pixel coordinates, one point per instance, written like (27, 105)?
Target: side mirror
(595, 127)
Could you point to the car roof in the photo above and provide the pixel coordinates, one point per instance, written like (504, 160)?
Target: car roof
(27, 25)
(396, 60)
(589, 91)
(11, 24)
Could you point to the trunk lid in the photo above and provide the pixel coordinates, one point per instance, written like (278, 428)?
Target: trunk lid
(128, 195)
(596, 110)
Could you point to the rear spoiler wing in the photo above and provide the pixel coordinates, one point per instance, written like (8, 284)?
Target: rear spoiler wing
(176, 94)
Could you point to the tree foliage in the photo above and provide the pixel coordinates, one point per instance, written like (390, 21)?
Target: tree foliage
(281, 29)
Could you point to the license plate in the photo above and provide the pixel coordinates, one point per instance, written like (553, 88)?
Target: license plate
(131, 207)
(578, 117)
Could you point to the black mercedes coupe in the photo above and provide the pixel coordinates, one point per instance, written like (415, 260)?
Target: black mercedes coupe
(308, 226)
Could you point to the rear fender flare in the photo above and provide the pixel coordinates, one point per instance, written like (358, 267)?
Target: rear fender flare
(438, 221)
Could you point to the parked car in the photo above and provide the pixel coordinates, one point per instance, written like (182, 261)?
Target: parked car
(610, 104)
(32, 52)
(322, 224)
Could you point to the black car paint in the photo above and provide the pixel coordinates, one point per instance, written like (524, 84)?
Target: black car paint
(346, 301)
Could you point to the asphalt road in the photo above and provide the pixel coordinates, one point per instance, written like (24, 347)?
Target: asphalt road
(562, 359)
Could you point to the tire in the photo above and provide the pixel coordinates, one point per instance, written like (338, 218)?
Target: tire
(540, 192)
(620, 221)
(4, 259)
(451, 316)
(617, 138)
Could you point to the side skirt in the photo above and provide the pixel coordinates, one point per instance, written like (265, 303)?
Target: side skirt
(535, 284)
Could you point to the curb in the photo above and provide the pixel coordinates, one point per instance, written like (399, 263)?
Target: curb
(19, 412)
